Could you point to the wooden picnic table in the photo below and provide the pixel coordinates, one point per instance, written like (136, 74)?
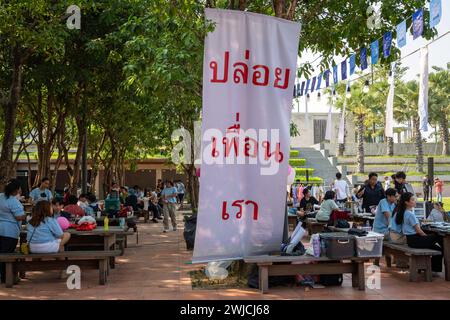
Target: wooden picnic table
(446, 241)
(97, 239)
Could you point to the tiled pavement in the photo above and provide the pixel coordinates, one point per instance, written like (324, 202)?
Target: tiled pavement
(157, 268)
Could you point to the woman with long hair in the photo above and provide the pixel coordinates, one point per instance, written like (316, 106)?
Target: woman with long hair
(415, 237)
(44, 235)
(11, 215)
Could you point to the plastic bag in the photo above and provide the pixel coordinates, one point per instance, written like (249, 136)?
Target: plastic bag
(217, 270)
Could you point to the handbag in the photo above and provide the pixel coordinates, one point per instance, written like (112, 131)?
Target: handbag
(25, 247)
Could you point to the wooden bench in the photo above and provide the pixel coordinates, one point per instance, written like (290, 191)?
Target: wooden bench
(294, 265)
(418, 259)
(17, 262)
(314, 226)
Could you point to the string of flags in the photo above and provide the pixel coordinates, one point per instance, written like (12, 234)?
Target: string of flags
(348, 68)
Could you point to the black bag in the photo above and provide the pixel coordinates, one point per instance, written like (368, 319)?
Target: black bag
(298, 250)
(131, 223)
(331, 279)
(343, 224)
(190, 225)
(357, 232)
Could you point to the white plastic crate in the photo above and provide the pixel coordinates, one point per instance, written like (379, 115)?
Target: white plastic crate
(370, 245)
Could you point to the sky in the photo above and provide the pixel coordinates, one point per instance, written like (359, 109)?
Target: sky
(438, 55)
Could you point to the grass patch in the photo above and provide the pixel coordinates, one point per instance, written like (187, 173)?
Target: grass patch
(302, 171)
(297, 162)
(445, 201)
(310, 179)
(294, 153)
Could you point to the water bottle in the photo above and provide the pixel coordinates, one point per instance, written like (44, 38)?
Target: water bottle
(106, 224)
(368, 227)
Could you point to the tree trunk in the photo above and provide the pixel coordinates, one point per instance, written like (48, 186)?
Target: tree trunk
(418, 144)
(10, 118)
(360, 134)
(443, 128)
(81, 125)
(390, 146)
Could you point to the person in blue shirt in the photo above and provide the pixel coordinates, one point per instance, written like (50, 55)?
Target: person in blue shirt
(11, 215)
(42, 192)
(384, 212)
(169, 196)
(44, 235)
(415, 237)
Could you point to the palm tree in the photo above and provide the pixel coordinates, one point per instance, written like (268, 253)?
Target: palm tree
(361, 107)
(408, 110)
(439, 103)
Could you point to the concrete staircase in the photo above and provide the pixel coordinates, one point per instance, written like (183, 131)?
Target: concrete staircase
(324, 166)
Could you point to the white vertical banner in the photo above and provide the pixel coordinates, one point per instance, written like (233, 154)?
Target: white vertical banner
(341, 133)
(423, 89)
(248, 78)
(328, 129)
(389, 128)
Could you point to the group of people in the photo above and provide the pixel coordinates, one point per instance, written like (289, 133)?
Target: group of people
(393, 206)
(395, 219)
(44, 234)
(160, 202)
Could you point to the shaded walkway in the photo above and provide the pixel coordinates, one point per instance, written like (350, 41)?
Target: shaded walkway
(158, 268)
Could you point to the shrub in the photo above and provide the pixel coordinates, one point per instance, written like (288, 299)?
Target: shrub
(297, 162)
(294, 153)
(302, 171)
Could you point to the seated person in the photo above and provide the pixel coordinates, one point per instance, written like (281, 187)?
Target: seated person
(73, 208)
(308, 201)
(384, 212)
(44, 235)
(132, 200)
(438, 213)
(83, 202)
(154, 207)
(58, 209)
(93, 203)
(327, 206)
(415, 237)
(395, 230)
(306, 205)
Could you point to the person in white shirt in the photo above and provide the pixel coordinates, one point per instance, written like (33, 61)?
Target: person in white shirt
(387, 183)
(341, 189)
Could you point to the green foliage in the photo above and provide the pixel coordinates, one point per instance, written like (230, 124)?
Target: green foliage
(302, 171)
(297, 162)
(310, 179)
(294, 153)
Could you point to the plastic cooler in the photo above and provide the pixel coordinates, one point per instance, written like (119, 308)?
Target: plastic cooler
(338, 245)
(370, 245)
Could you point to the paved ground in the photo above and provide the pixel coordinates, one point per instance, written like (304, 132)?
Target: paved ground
(158, 268)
